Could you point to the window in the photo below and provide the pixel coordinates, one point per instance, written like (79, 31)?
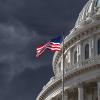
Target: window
(86, 51)
(98, 47)
(98, 3)
(75, 57)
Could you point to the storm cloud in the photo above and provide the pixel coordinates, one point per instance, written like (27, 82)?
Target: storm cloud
(25, 24)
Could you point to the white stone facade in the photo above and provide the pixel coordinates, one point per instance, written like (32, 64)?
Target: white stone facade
(82, 60)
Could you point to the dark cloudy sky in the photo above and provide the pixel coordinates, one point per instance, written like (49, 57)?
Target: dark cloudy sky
(25, 24)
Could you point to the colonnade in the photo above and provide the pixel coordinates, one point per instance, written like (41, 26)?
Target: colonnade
(81, 93)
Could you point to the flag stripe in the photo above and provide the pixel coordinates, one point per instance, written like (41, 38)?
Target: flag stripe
(54, 48)
(53, 45)
(40, 52)
(41, 47)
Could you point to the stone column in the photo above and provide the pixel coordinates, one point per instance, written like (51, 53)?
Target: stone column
(79, 53)
(66, 97)
(98, 87)
(80, 92)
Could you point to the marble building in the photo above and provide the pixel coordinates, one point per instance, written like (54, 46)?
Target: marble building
(82, 60)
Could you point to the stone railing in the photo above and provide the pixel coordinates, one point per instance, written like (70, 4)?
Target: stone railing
(51, 82)
(83, 64)
(80, 65)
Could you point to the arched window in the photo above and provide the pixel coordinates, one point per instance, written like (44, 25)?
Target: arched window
(75, 57)
(86, 51)
(98, 46)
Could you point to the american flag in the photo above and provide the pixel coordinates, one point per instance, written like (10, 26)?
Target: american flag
(53, 45)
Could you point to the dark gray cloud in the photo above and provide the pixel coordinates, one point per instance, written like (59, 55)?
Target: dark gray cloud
(25, 24)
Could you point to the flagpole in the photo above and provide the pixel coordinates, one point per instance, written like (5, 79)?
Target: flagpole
(63, 67)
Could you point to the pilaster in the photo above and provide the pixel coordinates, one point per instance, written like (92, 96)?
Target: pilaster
(80, 92)
(98, 89)
(66, 95)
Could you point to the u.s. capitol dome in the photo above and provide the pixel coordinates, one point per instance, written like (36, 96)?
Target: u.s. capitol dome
(82, 60)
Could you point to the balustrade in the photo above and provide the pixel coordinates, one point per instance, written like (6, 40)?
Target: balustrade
(83, 64)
